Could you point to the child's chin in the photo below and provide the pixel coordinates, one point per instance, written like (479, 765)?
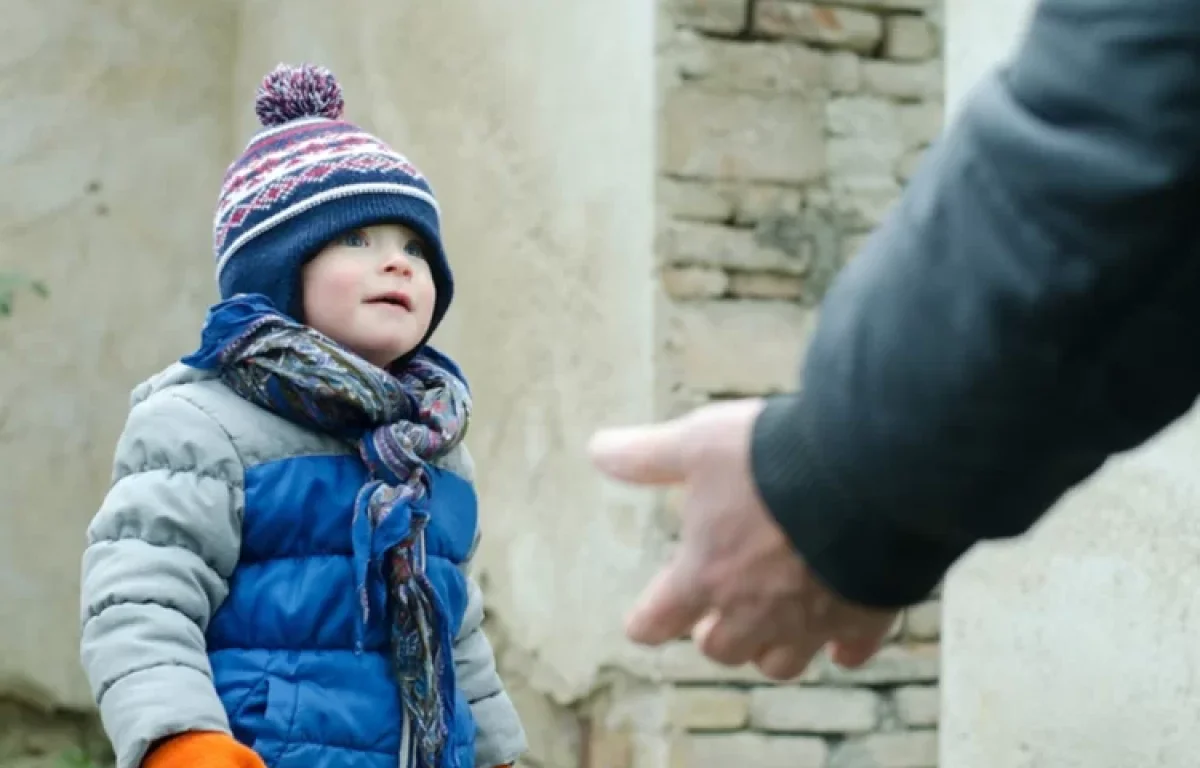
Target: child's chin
(383, 353)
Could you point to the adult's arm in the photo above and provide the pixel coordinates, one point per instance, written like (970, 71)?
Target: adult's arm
(1031, 307)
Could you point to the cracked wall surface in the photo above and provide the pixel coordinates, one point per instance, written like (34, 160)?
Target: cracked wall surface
(113, 144)
(787, 130)
(640, 220)
(537, 131)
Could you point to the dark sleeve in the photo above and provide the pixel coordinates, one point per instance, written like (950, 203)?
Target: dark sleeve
(1031, 307)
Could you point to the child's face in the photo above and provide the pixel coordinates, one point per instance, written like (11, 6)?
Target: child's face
(371, 291)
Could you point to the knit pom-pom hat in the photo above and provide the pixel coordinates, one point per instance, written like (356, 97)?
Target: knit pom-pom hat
(305, 178)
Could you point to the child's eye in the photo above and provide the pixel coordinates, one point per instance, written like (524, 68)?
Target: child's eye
(415, 248)
(355, 239)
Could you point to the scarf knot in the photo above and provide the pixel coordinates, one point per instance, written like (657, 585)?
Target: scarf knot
(399, 421)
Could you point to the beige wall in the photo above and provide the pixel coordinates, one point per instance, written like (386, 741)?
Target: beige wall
(113, 140)
(1076, 646)
(590, 292)
(536, 126)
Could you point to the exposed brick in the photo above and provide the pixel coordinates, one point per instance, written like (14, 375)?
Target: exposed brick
(718, 16)
(814, 234)
(908, 163)
(696, 201)
(610, 747)
(892, 5)
(726, 202)
(865, 117)
(819, 198)
(752, 66)
(851, 245)
(865, 199)
(902, 749)
(667, 27)
(903, 81)
(695, 282)
(893, 665)
(749, 749)
(741, 136)
(920, 124)
(924, 621)
(736, 347)
(859, 156)
(712, 709)
(814, 710)
(864, 148)
(769, 141)
(917, 706)
(843, 72)
(909, 38)
(691, 243)
(755, 203)
(827, 25)
(762, 285)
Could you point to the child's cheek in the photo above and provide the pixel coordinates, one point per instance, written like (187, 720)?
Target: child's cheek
(340, 284)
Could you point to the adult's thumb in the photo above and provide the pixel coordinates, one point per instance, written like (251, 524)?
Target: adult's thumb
(647, 455)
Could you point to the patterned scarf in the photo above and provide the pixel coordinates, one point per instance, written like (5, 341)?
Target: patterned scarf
(398, 421)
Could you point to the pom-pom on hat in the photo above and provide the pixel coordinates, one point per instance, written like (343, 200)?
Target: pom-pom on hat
(305, 178)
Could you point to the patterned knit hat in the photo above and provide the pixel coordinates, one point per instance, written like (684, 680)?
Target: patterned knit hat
(305, 178)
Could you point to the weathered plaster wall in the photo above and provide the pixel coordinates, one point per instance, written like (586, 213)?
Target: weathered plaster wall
(113, 140)
(537, 130)
(1076, 646)
(626, 245)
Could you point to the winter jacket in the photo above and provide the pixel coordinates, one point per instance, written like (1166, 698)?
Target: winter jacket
(219, 592)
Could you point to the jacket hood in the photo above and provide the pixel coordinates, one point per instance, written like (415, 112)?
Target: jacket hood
(173, 375)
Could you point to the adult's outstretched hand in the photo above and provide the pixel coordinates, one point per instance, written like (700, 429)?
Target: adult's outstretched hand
(736, 583)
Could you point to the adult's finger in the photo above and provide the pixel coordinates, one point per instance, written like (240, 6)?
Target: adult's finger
(668, 608)
(855, 653)
(647, 455)
(732, 637)
(789, 660)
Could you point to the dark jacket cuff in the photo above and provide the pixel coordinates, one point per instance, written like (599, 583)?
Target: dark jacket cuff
(860, 554)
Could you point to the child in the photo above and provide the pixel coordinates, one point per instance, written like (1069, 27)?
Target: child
(278, 574)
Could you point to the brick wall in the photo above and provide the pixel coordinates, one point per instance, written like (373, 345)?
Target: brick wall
(787, 129)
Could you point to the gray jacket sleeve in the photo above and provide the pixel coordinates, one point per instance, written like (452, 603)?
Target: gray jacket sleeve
(1029, 309)
(158, 557)
(499, 735)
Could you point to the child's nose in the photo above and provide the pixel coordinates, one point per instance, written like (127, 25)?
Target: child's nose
(398, 262)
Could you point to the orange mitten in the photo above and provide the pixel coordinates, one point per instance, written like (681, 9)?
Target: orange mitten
(203, 749)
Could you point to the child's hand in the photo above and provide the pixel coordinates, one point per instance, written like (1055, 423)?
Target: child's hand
(203, 749)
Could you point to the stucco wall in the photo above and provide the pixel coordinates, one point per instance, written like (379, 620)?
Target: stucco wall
(536, 128)
(1076, 646)
(114, 136)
